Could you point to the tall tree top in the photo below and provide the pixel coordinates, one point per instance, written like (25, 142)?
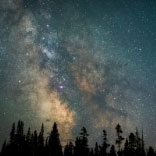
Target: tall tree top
(84, 132)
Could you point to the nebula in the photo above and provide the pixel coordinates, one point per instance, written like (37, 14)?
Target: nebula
(32, 83)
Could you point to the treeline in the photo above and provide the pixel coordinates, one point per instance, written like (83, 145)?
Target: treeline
(35, 144)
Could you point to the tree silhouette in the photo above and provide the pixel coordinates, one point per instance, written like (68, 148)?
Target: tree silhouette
(81, 143)
(35, 144)
(41, 137)
(112, 151)
(151, 152)
(19, 137)
(91, 153)
(54, 143)
(4, 148)
(105, 145)
(77, 148)
(41, 142)
(132, 144)
(138, 143)
(28, 136)
(96, 149)
(119, 138)
(142, 145)
(84, 140)
(126, 148)
(12, 134)
(68, 151)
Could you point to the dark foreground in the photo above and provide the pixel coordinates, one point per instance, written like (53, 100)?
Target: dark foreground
(34, 144)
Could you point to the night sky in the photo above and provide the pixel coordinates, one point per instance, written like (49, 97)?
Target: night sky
(80, 63)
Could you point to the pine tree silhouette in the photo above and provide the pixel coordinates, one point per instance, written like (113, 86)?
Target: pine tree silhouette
(142, 144)
(4, 148)
(34, 144)
(138, 143)
(151, 152)
(68, 151)
(132, 144)
(91, 153)
(40, 151)
(84, 141)
(119, 138)
(12, 134)
(81, 143)
(28, 136)
(105, 145)
(54, 143)
(77, 148)
(112, 151)
(96, 149)
(126, 148)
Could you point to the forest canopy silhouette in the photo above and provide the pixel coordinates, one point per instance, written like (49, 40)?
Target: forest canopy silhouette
(36, 144)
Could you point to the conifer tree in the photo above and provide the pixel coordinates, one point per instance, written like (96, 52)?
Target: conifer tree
(84, 141)
(105, 145)
(54, 143)
(68, 151)
(96, 149)
(112, 151)
(151, 152)
(77, 148)
(4, 149)
(138, 143)
(19, 137)
(119, 138)
(28, 136)
(81, 143)
(35, 139)
(126, 148)
(41, 137)
(20, 128)
(142, 145)
(91, 153)
(12, 134)
(132, 144)
(33, 144)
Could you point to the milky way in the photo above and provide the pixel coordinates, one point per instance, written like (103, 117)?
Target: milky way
(78, 63)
